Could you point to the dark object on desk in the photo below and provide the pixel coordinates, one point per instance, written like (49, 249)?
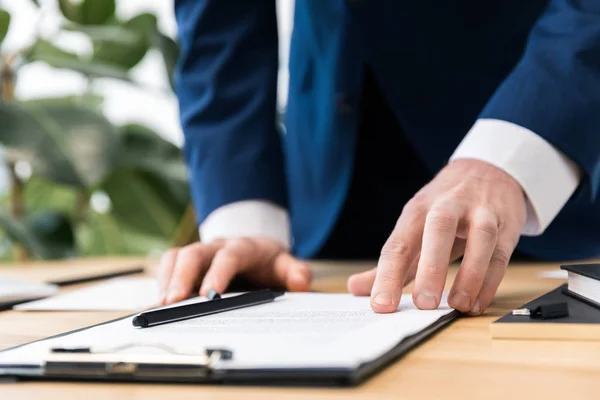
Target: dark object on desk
(8, 305)
(194, 310)
(17, 291)
(545, 311)
(92, 278)
(582, 323)
(584, 282)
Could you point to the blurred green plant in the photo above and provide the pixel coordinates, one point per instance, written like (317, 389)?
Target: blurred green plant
(79, 184)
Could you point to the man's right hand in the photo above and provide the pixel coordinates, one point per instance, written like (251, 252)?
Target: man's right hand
(213, 265)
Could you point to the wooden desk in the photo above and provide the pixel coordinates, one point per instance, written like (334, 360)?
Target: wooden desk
(461, 362)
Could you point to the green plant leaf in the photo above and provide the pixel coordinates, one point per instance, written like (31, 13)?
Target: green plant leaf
(20, 233)
(145, 23)
(159, 165)
(105, 33)
(66, 144)
(41, 194)
(46, 52)
(88, 12)
(138, 243)
(144, 149)
(4, 24)
(90, 101)
(100, 235)
(169, 49)
(43, 49)
(92, 69)
(139, 204)
(128, 56)
(97, 12)
(141, 139)
(140, 142)
(71, 10)
(55, 231)
(36, 2)
(174, 193)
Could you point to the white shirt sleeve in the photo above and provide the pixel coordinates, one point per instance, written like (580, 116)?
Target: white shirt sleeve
(247, 218)
(547, 176)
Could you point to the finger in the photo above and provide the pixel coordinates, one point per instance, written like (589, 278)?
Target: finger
(192, 262)
(458, 249)
(164, 272)
(361, 284)
(293, 274)
(282, 270)
(235, 257)
(506, 243)
(481, 242)
(397, 255)
(412, 271)
(438, 239)
(264, 263)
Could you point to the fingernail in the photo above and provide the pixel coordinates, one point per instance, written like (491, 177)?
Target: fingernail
(383, 299)
(204, 289)
(297, 282)
(296, 276)
(426, 301)
(173, 296)
(461, 301)
(476, 307)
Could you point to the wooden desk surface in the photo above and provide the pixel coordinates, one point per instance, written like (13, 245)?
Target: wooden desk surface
(461, 362)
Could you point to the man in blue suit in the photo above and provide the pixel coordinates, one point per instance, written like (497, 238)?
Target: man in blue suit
(417, 132)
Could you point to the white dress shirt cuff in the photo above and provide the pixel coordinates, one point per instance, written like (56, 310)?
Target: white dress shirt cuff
(547, 176)
(248, 218)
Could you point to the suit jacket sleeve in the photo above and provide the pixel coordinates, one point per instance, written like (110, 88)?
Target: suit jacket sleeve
(554, 90)
(226, 83)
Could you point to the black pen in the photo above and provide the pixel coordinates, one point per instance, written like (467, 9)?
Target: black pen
(214, 306)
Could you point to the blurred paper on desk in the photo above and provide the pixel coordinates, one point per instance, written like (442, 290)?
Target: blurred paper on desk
(119, 294)
(14, 290)
(553, 274)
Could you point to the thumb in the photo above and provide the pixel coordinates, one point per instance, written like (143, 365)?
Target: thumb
(285, 271)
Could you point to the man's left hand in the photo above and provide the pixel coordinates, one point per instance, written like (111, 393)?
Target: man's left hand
(470, 208)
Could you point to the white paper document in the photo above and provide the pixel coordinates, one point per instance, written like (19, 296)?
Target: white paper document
(309, 330)
(118, 294)
(12, 290)
(554, 274)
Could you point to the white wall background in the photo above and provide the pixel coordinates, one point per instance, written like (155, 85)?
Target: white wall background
(123, 102)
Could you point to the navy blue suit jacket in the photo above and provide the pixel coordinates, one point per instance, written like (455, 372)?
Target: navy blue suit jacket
(442, 65)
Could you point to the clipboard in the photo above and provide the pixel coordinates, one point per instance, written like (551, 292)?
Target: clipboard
(200, 367)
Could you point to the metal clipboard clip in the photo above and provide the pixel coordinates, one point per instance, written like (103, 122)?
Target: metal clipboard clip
(122, 362)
